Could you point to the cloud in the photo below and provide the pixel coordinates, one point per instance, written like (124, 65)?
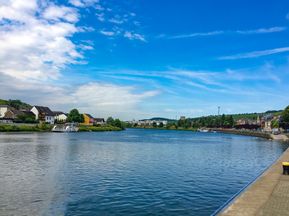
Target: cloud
(33, 47)
(107, 98)
(57, 13)
(107, 33)
(255, 54)
(134, 36)
(263, 30)
(83, 3)
(116, 20)
(198, 34)
(98, 99)
(241, 32)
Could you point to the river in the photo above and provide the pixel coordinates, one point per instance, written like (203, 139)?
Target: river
(132, 172)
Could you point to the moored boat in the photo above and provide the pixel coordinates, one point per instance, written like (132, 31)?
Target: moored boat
(65, 128)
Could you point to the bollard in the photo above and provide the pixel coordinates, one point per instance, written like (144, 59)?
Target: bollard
(285, 168)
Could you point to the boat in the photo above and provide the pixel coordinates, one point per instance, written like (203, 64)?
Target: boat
(203, 130)
(65, 128)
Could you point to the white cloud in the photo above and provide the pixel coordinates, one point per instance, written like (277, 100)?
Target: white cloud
(83, 3)
(116, 21)
(262, 30)
(98, 99)
(134, 36)
(100, 17)
(256, 54)
(197, 34)
(109, 99)
(57, 13)
(32, 47)
(213, 33)
(107, 33)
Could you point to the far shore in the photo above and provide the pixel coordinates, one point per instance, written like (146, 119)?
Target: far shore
(265, 135)
(48, 128)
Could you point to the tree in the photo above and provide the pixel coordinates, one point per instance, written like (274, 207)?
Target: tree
(275, 123)
(75, 116)
(161, 125)
(25, 118)
(154, 124)
(117, 123)
(230, 121)
(110, 121)
(285, 118)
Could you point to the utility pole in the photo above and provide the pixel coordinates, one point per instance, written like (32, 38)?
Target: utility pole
(219, 110)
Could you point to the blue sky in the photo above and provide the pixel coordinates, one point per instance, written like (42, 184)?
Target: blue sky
(135, 59)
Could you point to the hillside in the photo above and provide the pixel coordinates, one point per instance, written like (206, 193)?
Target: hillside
(17, 104)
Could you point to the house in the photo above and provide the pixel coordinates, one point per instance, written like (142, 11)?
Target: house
(248, 124)
(43, 114)
(19, 115)
(60, 116)
(152, 122)
(183, 118)
(99, 121)
(266, 122)
(88, 119)
(3, 110)
(6, 121)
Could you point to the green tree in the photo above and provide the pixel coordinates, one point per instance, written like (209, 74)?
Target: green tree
(75, 116)
(154, 124)
(275, 123)
(110, 121)
(117, 123)
(26, 118)
(161, 125)
(285, 118)
(231, 121)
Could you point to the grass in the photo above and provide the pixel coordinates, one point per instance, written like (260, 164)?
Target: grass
(83, 128)
(47, 128)
(27, 128)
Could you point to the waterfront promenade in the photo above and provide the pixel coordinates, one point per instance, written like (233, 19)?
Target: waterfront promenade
(269, 195)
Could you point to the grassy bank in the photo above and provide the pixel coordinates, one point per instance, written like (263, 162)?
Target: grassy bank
(27, 128)
(83, 128)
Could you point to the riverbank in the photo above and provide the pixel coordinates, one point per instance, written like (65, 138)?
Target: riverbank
(268, 195)
(25, 128)
(164, 128)
(83, 128)
(48, 128)
(265, 135)
(280, 137)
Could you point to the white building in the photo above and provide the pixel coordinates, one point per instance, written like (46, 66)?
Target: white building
(43, 114)
(60, 116)
(3, 110)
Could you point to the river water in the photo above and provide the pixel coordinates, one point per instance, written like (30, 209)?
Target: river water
(132, 172)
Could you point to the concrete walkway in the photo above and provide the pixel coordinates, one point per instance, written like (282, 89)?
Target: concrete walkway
(269, 195)
(280, 137)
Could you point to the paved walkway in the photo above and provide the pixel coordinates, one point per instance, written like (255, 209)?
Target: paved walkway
(268, 196)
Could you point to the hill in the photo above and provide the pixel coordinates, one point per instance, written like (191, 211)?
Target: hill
(17, 104)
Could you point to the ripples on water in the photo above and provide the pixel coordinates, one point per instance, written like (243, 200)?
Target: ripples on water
(134, 172)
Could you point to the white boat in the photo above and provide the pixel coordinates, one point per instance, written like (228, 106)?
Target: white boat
(203, 130)
(65, 128)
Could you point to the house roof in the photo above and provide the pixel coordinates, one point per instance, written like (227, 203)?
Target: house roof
(44, 110)
(4, 105)
(88, 115)
(99, 119)
(58, 113)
